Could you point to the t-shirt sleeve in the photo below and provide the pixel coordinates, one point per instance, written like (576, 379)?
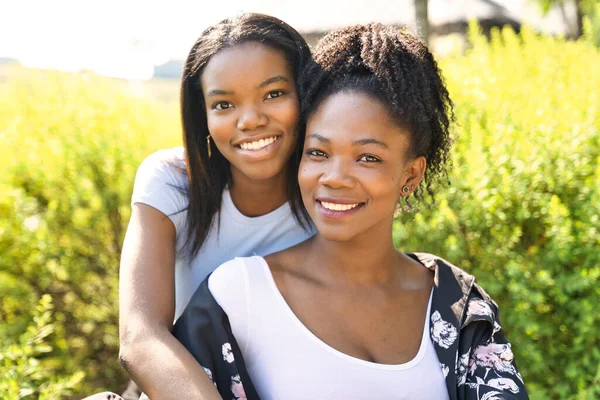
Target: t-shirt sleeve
(160, 184)
(229, 286)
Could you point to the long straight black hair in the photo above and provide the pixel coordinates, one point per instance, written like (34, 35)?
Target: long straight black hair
(208, 176)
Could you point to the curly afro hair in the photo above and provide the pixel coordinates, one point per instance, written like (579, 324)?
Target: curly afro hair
(393, 66)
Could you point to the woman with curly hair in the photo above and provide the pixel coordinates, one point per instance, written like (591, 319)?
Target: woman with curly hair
(345, 314)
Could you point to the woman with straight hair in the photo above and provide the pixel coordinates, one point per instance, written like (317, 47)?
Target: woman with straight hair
(230, 191)
(344, 314)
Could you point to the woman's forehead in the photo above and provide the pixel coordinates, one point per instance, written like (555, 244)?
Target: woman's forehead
(248, 63)
(354, 116)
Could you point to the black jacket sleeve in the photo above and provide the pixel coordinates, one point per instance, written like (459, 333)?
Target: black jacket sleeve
(204, 330)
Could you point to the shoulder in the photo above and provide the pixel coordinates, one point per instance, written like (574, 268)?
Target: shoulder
(468, 282)
(176, 154)
(455, 283)
(232, 276)
(164, 167)
(166, 161)
(161, 183)
(289, 260)
(445, 270)
(228, 271)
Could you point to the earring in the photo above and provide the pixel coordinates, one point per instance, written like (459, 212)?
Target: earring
(405, 189)
(208, 145)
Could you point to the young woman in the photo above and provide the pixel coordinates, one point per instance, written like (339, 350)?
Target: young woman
(231, 191)
(345, 315)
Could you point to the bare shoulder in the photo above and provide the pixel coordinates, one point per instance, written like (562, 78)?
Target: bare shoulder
(287, 265)
(415, 274)
(287, 260)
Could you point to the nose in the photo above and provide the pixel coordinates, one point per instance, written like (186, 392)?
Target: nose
(337, 175)
(251, 118)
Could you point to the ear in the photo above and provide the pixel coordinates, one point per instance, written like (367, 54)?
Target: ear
(413, 175)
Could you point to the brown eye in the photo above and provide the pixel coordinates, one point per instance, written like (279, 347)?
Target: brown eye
(274, 94)
(315, 153)
(222, 105)
(369, 158)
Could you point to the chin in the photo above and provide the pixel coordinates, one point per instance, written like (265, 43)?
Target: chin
(338, 234)
(264, 172)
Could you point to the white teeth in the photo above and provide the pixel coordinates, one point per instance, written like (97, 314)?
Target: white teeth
(258, 144)
(338, 207)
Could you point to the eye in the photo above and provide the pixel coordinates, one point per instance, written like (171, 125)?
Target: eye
(222, 105)
(369, 158)
(274, 94)
(315, 153)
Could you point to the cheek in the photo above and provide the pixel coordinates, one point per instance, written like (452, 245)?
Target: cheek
(384, 184)
(219, 127)
(288, 113)
(308, 177)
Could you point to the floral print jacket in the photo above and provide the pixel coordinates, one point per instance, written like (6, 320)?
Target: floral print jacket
(475, 357)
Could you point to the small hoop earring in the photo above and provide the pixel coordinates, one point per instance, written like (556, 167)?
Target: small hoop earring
(208, 145)
(405, 189)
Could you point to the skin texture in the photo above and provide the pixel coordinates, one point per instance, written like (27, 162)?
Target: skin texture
(259, 101)
(243, 104)
(155, 360)
(367, 166)
(365, 299)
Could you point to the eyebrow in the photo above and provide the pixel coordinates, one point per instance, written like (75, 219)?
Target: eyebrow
(218, 92)
(274, 79)
(318, 137)
(362, 142)
(277, 78)
(359, 142)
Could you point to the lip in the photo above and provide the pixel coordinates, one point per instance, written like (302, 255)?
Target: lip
(335, 214)
(338, 200)
(256, 138)
(265, 153)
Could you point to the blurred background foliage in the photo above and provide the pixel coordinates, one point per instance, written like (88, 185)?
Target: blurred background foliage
(71, 145)
(522, 212)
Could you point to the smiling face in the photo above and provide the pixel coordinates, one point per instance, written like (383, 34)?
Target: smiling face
(252, 109)
(355, 163)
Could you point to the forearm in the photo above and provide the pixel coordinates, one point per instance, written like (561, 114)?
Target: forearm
(164, 369)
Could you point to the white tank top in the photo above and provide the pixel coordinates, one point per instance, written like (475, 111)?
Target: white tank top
(287, 361)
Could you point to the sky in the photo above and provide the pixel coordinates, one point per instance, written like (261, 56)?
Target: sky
(115, 38)
(127, 38)
(124, 38)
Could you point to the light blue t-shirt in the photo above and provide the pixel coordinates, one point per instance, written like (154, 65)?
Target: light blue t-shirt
(156, 185)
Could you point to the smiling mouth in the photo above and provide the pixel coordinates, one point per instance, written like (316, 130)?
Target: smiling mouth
(339, 209)
(258, 144)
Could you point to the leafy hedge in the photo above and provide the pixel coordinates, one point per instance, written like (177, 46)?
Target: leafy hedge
(70, 149)
(522, 212)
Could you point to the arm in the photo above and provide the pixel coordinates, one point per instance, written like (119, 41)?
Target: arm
(154, 359)
(491, 368)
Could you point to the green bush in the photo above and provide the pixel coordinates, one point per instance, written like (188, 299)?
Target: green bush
(71, 146)
(522, 212)
(28, 368)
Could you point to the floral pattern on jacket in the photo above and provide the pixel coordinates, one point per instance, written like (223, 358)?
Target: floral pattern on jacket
(468, 338)
(475, 357)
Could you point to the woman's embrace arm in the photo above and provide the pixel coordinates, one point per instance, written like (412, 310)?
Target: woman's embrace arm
(154, 359)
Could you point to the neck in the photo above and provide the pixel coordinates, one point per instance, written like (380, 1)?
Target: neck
(254, 198)
(370, 259)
